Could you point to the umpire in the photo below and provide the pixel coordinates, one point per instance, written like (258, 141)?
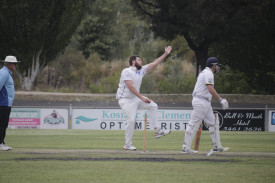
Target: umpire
(6, 97)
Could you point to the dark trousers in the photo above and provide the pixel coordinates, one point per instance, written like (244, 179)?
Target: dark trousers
(4, 121)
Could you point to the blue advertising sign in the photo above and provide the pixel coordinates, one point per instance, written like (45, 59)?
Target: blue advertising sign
(273, 118)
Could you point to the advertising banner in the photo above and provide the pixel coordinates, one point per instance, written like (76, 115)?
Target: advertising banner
(114, 119)
(271, 121)
(241, 120)
(54, 119)
(24, 118)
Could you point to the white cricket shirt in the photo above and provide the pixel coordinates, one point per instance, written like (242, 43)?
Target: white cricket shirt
(130, 73)
(206, 77)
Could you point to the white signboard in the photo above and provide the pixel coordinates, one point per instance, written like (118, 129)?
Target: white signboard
(114, 119)
(54, 119)
(271, 121)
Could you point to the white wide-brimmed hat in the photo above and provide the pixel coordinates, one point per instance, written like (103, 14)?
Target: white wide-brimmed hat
(10, 59)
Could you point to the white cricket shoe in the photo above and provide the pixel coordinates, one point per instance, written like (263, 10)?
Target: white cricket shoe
(161, 133)
(10, 148)
(220, 149)
(4, 147)
(217, 150)
(130, 147)
(188, 151)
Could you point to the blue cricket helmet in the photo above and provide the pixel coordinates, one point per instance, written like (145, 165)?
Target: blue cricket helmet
(211, 60)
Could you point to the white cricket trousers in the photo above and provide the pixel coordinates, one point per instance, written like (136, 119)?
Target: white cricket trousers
(202, 110)
(130, 106)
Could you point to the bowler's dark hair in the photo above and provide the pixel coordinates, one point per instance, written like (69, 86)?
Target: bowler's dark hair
(134, 57)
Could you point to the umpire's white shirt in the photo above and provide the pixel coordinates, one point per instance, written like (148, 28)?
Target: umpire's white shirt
(130, 73)
(206, 77)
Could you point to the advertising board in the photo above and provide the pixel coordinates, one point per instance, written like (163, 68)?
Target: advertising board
(54, 119)
(114, 119)
(24, 118)
(271, 121)
(241, 120)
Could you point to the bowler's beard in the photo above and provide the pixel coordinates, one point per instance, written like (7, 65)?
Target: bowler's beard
(138, 66)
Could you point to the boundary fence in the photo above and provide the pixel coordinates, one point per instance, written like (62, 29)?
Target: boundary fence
(112, 118)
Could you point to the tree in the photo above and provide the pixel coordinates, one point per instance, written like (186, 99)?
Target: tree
(250, 49)
(201, 22)
(36, 31)
(111, 29)
(95, 34)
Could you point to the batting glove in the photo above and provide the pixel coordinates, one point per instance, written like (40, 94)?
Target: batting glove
(224, 103)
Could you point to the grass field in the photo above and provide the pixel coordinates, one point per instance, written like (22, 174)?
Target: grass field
(68, 156)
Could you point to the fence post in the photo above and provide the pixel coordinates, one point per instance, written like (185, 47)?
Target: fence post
(70, 117)
(266, 118)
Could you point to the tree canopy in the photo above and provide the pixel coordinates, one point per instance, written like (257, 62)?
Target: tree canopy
(250, 49)
(36, 31)
(111, 29)
(202, 23)
(95, 33)
(240, 32)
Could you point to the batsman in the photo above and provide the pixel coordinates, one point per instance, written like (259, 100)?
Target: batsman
(202, 110)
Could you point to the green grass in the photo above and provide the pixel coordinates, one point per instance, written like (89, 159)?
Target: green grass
(57, 156)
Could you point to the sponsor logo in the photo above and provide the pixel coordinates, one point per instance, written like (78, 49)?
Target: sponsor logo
(84, 119)
(54, 119)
